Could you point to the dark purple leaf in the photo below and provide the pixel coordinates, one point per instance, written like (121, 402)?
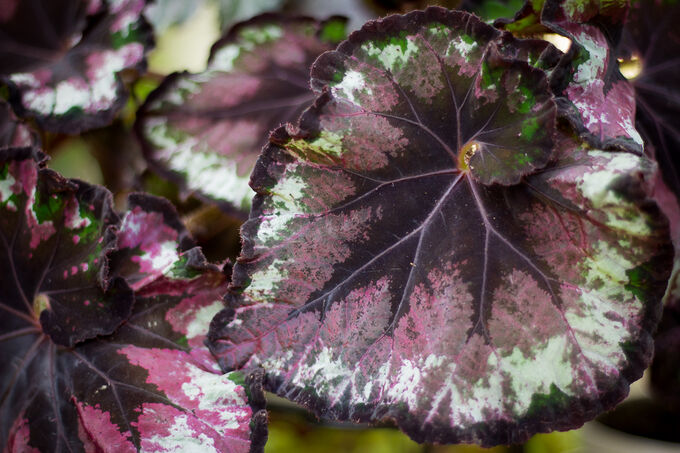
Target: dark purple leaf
(61, 59)
(14, 133)
(150, 385)
(652, 40)
(54, 236)
(204, 131)
(601, 101)
(384, 276)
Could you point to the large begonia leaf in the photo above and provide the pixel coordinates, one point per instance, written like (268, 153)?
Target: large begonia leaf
(205, 131)
(652, 40)
(595, 97)
(14, 133)
(151, 385)
(383, 275)
(61, 59)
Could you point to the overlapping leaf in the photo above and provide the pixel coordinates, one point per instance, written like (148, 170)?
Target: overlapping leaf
(205, 131)
(61, 59)
(425, 247)
(147, 384)
(150, 240)
(597, 100)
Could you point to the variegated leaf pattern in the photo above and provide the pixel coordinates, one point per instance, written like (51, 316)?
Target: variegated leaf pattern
(406, 260)
(597, 100)
(148, 384)
(55, 236)
(204, 131)
(61, 59)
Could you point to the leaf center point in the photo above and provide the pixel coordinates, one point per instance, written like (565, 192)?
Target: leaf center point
(40, 302)
(465, 154)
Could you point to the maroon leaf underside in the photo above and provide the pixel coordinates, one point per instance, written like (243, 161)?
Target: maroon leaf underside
(56, 54)
(151, 385)
(233, 109)
(651, 35)
(367, 252)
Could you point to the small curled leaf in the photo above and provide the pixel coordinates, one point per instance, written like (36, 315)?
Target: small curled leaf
(594, 97)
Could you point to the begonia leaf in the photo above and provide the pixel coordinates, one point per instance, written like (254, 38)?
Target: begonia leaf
(601, 100)
(55, 235)
(384, 275)
(61, 59)
(14, 133)
(205, 131)
(538, 16)
(150, 240)
(151, 385)
(594, 96)
(652, 40)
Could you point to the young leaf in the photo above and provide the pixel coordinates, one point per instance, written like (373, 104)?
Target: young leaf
(204, 131)
(147, 384)
(412, 255)
(595, 98)
(61, 59)
(14, 133)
